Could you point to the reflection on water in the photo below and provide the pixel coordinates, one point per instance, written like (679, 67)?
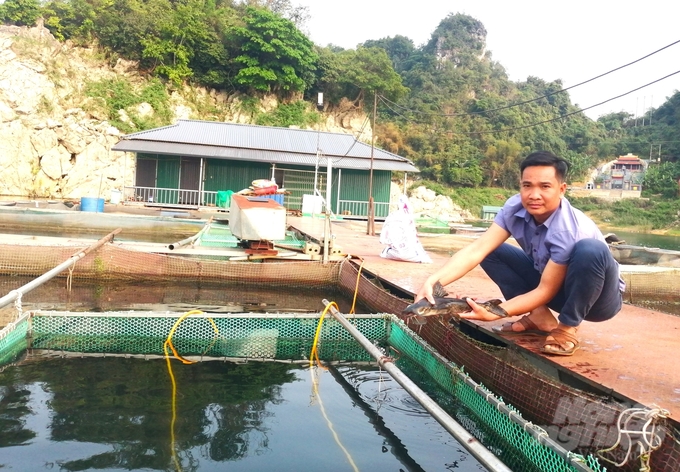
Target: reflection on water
(116, 414)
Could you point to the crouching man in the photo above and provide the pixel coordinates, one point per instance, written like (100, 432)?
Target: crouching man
(564, 263)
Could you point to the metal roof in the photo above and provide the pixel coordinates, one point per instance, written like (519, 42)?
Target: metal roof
(218, 140)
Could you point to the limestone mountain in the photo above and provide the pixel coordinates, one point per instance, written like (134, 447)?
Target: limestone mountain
(62, 107)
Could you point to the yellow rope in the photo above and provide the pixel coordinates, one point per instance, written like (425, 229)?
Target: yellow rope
(356, 287)
(314, 355)
(168, 344)
(178, 466)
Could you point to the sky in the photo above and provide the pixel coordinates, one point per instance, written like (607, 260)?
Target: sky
(573, 41)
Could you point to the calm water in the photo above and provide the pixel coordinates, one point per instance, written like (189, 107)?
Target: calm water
(648, 239)
(115, 414)
(632, 238)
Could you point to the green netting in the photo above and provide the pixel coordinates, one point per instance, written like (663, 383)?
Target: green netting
(254, 336)
(283, 337)
(527, 453)
(13, 340)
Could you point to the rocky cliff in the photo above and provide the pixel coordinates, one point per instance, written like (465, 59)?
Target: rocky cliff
(55, 141)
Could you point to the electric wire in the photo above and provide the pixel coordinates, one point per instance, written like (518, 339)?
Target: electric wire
(537, 98)
(531, 125)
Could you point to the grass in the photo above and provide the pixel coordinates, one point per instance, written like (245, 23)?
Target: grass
(641, 214)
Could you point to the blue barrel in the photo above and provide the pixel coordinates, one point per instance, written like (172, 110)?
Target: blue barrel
(92, 204)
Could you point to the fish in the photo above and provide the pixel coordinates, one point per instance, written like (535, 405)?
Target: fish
(446, 308)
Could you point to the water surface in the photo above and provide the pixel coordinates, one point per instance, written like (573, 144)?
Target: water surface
(117, 414)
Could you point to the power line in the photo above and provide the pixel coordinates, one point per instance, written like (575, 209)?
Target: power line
(537, 98)
(544, 121)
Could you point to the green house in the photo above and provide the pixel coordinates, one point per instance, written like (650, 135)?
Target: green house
(188, 163)
(490, 212)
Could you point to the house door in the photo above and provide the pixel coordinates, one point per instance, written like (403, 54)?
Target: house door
(145, 179)
(189, 181)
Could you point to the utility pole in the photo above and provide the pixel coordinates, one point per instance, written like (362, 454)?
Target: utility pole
(329, 179)
(370, 230)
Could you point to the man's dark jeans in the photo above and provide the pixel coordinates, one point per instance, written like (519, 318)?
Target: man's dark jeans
(590, 290)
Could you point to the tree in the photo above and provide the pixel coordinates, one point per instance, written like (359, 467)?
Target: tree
(20, 12)
(298, 14)
(181, 36)
(662, 178)
(276, 56)
(369, 71)
(399, 49)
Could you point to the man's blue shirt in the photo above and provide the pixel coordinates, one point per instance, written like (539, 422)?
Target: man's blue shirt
(552, 240)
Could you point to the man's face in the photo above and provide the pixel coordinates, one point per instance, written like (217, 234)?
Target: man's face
(541, 192)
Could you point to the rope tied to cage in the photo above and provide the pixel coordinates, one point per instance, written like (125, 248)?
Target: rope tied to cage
(646, 437)
(69, 277)
(17, 304)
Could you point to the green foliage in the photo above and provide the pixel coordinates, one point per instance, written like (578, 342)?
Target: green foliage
(72, 19)
(370, 71)
(118, 94)
(400, 49)
(275, 55)
(662, 178)
(289, 114)
(631, 212)
(357, 75)
(20, 12)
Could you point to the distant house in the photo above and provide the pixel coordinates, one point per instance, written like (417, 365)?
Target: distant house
(629, 162)
(187, 163)
(625, 173)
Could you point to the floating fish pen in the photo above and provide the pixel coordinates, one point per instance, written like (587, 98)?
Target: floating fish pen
(543, 421)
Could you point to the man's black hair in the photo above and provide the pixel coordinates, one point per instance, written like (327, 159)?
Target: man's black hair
(545, 158)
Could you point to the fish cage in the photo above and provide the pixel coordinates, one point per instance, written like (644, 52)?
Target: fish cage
(546, 419)
(203, 336)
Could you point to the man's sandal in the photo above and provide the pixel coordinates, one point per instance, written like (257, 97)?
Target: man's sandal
(560, 338)
(530, 328)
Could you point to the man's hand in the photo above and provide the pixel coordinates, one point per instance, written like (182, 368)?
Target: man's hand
(477, 312)
(425, 292)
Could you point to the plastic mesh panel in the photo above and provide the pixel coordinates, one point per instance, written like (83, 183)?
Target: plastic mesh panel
(217, 236)
(244, 336)
(13, 340)
(521, 449)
